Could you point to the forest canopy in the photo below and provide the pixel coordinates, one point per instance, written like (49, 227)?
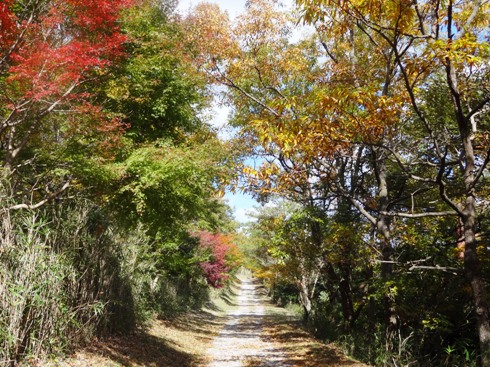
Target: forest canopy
(108, 171)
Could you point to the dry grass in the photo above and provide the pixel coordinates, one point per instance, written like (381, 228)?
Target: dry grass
(301, 349)
(180, 343)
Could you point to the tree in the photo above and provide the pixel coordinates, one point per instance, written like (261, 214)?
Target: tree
(349, 118)
(169, 188)
(97, 100)
(312, 118)
(155, 90)
(50, 50)
(219, 256)
(424, 41)
(288, 252)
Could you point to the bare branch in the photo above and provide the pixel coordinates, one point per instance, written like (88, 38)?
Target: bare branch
(13, 152)
(42, 202)
(419, 215)
(442, 187)
(454, 271)
(363, 210)
(19, 39)
(474, 13)
(477, 109)
(230, 83)
(481, 170)
(421, 19)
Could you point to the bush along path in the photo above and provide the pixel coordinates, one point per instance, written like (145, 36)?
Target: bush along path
(242, 328)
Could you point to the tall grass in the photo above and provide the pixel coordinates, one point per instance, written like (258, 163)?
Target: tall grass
(68, 273)
(37, 283)
(61, 281)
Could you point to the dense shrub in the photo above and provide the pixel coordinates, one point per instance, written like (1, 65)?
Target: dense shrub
(48, 302)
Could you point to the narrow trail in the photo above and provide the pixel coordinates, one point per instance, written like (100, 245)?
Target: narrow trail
(240, 343)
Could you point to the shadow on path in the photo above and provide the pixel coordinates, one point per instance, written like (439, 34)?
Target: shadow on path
(299, 346)
(253, 333)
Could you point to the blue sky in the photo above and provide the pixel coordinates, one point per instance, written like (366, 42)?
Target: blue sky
(241, 205)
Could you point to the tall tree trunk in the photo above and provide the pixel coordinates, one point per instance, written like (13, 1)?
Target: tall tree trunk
(383, 229)
(346, 297)
(304, 297)
(472, 266)
(472, 271)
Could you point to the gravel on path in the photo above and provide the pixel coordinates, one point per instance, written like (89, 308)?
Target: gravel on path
(240, 342)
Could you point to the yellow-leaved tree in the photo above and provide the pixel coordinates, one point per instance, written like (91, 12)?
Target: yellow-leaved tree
(429, 42)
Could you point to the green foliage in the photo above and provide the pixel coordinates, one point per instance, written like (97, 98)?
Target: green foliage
(36, 314)
(115, 186)
(59, 281)
(169, 188)
(154, 90)
(349, 296)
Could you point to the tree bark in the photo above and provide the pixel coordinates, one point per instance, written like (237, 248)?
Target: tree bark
(346, 297)
(304, 297)
(472, 266)
(383, 229)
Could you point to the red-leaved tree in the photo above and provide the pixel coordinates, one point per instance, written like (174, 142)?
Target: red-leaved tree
(221, 256)
(48, 50)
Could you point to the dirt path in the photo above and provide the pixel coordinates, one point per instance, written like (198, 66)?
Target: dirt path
(240, 342)
(260, 334)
